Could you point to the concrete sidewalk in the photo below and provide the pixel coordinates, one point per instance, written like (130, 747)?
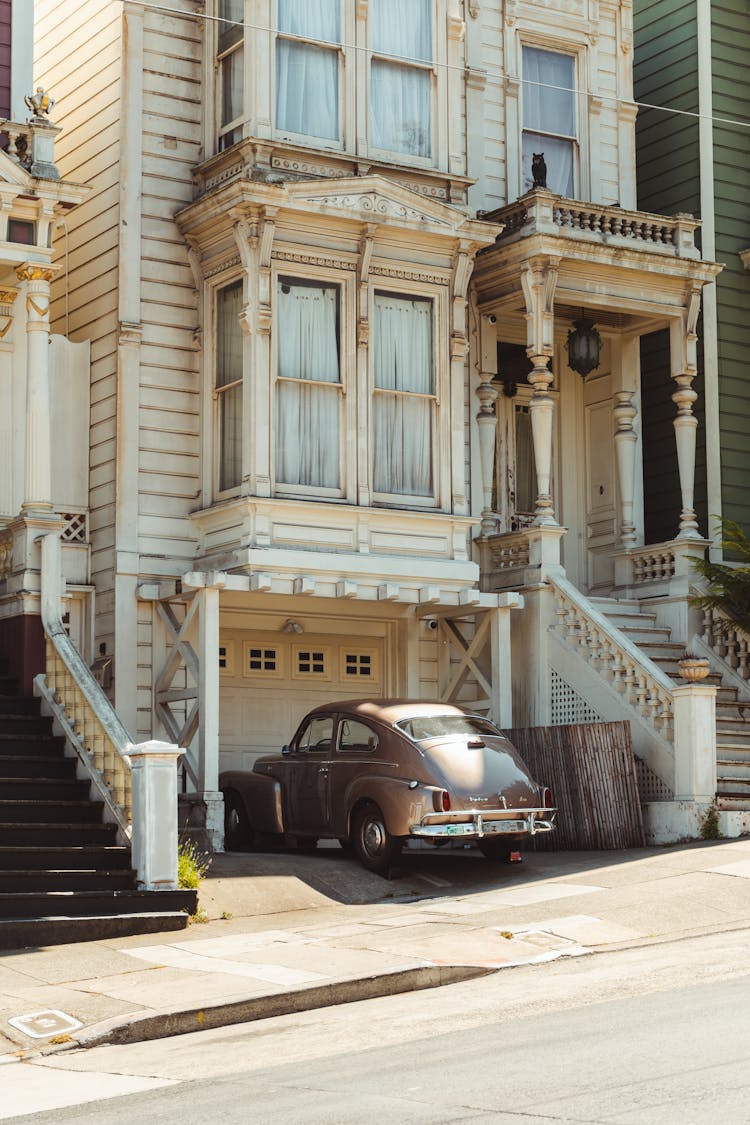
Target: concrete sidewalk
(288, 932)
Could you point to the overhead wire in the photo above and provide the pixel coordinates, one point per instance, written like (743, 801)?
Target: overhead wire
(494, 72)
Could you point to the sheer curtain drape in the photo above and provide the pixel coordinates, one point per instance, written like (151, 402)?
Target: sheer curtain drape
(307, 76)
(229, 385)
(308, 414)
(549, 108)
(402, 421)
(401, 95)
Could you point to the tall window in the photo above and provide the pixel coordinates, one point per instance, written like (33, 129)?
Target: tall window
(526, 483)
(308, 385)
(307, 68)
(231, 57)
(549, 117)
(228, 385)
(401, 76)
(404, 396)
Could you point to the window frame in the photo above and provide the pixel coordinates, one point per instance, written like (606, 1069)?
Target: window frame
(343, 720)
(217, 392)
(573, 140)
(343, 51)
(440, 420)
(236, 125)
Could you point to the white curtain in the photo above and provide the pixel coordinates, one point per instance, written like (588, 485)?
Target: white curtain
(232, 86)
(401, 95)
(549, 108)
(307, 77)
(308, 440)
(229, 384)
(402, 422)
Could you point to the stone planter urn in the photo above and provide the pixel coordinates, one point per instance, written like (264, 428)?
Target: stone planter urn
(694, 669)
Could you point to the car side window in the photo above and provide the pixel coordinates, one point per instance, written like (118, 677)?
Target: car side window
(356, 737)
(317, 735)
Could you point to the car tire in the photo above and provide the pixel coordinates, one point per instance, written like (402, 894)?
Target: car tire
(375, 847)
(238, 833)
(496, 850)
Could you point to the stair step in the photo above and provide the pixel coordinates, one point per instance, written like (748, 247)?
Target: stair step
(43, 788)
(17, 705)
(38, 932)
(50, 812)
(25, 725)
(663, 650)
(32, 744)
(74, 904)
(624, 608)
(33, 879)
(56, 835)
(643, 634)
(37, 765)
(80, 857)
(8, 683)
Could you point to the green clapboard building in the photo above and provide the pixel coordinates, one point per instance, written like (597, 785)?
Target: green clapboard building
(694, 56)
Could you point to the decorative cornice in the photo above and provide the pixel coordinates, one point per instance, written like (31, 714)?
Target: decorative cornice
(220, 267)
(410, 275)
(373, 203)
(313, 260)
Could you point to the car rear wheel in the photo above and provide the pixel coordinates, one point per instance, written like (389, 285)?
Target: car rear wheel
(376, 849)
(497, 850)
(238, 833)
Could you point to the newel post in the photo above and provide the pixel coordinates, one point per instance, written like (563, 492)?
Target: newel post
(695, 742)
(154, 836)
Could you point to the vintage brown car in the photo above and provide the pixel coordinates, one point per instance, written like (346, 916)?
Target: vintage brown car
(376, 773)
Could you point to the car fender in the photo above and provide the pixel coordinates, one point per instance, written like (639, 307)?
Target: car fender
(261, 795)
(401, 806)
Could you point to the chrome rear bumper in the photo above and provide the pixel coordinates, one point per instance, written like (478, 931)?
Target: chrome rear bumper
(477, 826)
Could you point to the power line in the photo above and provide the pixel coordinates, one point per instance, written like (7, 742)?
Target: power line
(490, 71)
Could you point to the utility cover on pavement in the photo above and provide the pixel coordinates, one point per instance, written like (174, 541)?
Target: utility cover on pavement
(42, 1025)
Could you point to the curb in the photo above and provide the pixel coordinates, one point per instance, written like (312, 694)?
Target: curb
(139, 1028)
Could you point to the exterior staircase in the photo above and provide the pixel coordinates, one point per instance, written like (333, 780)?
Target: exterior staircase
(63, 876)
(732, 713)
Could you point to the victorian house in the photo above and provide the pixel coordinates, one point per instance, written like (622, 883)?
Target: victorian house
(365, 285)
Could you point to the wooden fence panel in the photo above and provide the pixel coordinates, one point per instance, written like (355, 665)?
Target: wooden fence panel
(590, 768)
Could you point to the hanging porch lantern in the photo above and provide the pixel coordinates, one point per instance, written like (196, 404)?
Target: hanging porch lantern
(584, 346)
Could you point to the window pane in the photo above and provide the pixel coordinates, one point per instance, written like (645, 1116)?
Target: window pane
(400, 108)
(232, 86)
(559, 158)
(402, 424)
(311, 19)
(403, 28)
(317, 735)
(548, 97)
(230, 437)
(230, 32)
(308, 416)
(356, 737)
(228, 335)
(307, 90)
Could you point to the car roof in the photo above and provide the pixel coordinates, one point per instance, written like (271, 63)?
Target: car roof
(389, 710)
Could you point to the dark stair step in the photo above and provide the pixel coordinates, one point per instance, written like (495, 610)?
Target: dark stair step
(32, 744)
(25, 724)
(37, 766)
(50, 812)
(74, 904)
(17, 705)
(65, 858)
(12, 881)
(43, 788)
(56, 835)
(8, 683)
(37, 932)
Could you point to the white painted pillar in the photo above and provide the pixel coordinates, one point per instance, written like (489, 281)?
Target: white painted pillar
(501, 709)
(208, 707)
(37, 491)
(683, 341)
(541, 410)
(695, 742)
(154, 837)
(626, 441)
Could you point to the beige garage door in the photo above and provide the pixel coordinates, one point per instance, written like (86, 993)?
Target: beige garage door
(269, 681)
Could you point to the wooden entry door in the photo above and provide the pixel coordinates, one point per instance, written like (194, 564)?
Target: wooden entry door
(600, 479)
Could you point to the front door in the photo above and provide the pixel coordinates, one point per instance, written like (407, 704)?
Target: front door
(308, 766)
(600, 480)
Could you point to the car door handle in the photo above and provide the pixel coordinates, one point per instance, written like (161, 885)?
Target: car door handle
(322, 769)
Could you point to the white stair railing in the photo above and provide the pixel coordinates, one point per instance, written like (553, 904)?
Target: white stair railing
(137, 783)
(727, 641)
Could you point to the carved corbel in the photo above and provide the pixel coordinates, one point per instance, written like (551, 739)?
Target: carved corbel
(511, 12)
(473, 8)
(539, 281)
(246, 236)
(456, 28)
(7, 299)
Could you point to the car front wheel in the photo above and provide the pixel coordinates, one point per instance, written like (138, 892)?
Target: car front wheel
(376, 848)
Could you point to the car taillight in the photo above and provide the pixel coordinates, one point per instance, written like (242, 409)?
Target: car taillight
(548, 800)
(446, 801)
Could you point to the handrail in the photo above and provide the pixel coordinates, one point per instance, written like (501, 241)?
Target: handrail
(642, 683)
(90, 722)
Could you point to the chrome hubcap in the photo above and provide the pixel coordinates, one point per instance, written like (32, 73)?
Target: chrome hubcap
(373, 836)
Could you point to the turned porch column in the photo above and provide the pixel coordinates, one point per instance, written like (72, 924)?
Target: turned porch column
(683, 349)
(539, 279)
(37, 491)
(487, 419)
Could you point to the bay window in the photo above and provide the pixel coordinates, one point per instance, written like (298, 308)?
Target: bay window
(307, 68)
(231, 67)
(404, 396)
(308, 385)
(401, 77)
(549, 118)
(228, 386)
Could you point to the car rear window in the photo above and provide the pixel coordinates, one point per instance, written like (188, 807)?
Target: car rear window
(422, 727)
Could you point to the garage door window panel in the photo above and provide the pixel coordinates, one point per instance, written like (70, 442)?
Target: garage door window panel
(311, 663)
(404, 397)
(359, 665)
(266, 661)
(308, 387)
